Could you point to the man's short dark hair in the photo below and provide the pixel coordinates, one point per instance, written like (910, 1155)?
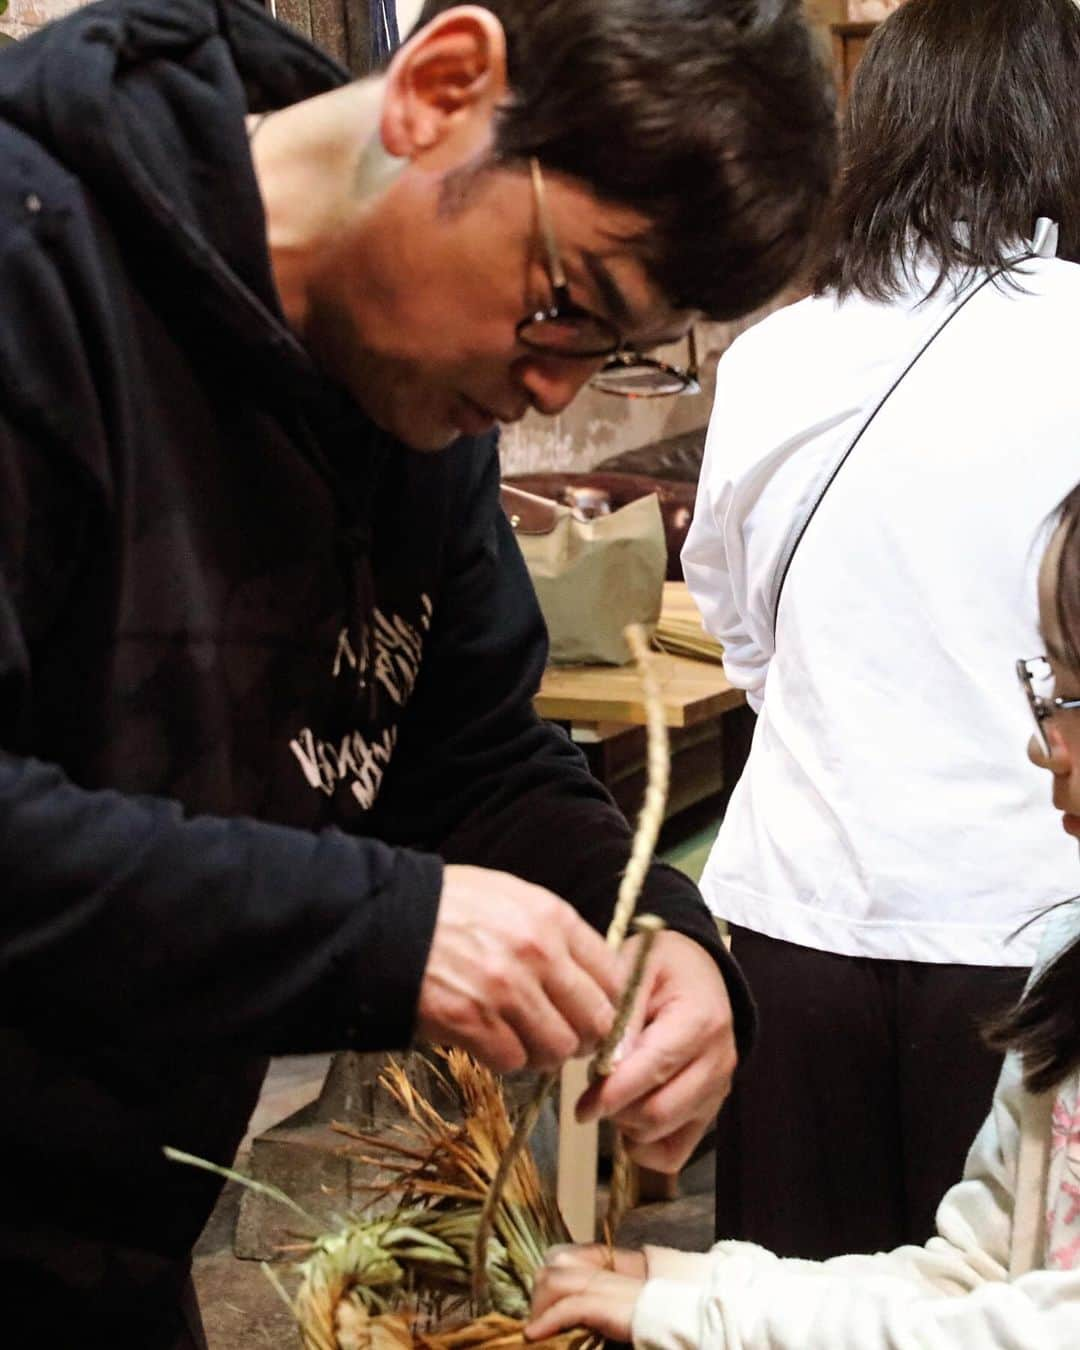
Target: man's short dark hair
(963, 127)
(713, 119)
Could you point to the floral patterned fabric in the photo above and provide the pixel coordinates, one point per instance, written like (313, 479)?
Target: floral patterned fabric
(1063, 1183)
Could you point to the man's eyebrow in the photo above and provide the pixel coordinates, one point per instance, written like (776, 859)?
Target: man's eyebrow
(614, 300)
(616, 304)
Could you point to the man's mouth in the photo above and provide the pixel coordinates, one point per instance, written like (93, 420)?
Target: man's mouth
(1071, 825)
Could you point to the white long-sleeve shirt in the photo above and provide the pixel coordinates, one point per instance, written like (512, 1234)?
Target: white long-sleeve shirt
(1002, 1274)
(887, 808)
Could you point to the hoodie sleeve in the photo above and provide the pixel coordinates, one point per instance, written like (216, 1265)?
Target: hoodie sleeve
(121, 920)
(952, 1294)
(479, 776)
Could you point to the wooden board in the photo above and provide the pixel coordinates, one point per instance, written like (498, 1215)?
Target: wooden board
(578, 1155)
(692, 691)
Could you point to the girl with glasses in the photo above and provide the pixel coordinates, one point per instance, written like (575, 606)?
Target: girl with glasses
(1004, 1268)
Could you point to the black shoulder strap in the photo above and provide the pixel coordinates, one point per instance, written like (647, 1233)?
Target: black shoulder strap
(801, 523)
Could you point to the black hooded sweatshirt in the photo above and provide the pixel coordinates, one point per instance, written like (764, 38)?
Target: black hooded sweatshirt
(261, 669)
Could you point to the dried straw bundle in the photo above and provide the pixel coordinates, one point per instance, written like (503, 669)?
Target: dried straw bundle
(403, 1279)
(681, 631)
(686, 637)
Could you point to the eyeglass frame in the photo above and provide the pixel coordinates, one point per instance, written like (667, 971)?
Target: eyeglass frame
(688, 376)
(621, 355)
(1042, 709)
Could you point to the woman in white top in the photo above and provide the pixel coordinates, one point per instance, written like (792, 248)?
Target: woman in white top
(1004, 1269)
(884, 843)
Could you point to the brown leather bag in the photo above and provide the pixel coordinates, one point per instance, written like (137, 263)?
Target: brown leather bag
(592, 576)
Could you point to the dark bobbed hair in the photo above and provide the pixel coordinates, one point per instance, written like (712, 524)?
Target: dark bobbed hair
(1045, 1025)
(713, 119)
(960, 131)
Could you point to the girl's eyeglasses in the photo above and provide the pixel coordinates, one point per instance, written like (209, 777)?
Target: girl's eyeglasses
(566, 329)
(1037, 681)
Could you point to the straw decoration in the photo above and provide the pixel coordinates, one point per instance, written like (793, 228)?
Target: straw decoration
(641, 852)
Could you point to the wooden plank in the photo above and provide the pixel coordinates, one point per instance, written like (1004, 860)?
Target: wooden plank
(691, 691)
(578, 1154)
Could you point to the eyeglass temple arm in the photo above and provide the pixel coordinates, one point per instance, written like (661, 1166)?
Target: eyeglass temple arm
(558, 276)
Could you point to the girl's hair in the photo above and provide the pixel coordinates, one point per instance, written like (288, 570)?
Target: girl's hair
(960, 131)
(1044, 1027)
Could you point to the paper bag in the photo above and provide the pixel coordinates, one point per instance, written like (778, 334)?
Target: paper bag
(592, 577)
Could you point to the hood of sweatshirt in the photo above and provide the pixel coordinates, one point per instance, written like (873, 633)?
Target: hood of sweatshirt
(144, 104)
(147, 103)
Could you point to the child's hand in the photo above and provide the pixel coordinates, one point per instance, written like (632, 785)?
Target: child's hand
(577, 1287)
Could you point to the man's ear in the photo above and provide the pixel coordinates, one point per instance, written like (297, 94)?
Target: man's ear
(443, 86)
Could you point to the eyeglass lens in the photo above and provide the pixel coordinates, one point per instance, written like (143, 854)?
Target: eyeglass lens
(635, 376)
(641, 378)
(568, 334)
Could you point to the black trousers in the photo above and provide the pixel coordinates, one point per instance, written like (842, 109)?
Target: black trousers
(856, 1110)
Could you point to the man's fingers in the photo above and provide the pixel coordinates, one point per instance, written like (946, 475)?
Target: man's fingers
(672, 1152)
(694, 1092)
(680, 1066)
(583, 1003)
(513, 973)
(492, 1042)
(549, 1039)
(649, 1062)
(593, 954)
(522, 1015)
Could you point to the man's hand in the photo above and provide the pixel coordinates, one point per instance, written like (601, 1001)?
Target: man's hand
(581, 1287)
(514, 975)
(678, 1057)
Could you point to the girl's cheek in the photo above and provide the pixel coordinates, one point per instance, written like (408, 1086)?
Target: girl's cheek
(1065, 742)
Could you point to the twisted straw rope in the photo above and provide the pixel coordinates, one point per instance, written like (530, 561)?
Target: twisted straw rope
(658, 766)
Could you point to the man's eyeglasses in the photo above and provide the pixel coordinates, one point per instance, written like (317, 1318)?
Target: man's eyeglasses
(567, 330)
(1037, 681)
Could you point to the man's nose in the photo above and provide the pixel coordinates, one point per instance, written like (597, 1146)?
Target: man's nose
(553, 382)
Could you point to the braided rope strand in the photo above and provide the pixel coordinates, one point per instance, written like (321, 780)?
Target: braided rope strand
(641, 851)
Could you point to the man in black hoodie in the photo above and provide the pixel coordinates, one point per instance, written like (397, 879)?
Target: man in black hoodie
(270, 778)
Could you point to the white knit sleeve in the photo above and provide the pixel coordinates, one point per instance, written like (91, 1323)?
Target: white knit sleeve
(952, 1294)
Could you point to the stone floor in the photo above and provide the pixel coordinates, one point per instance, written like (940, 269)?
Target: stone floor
(241, 1309)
